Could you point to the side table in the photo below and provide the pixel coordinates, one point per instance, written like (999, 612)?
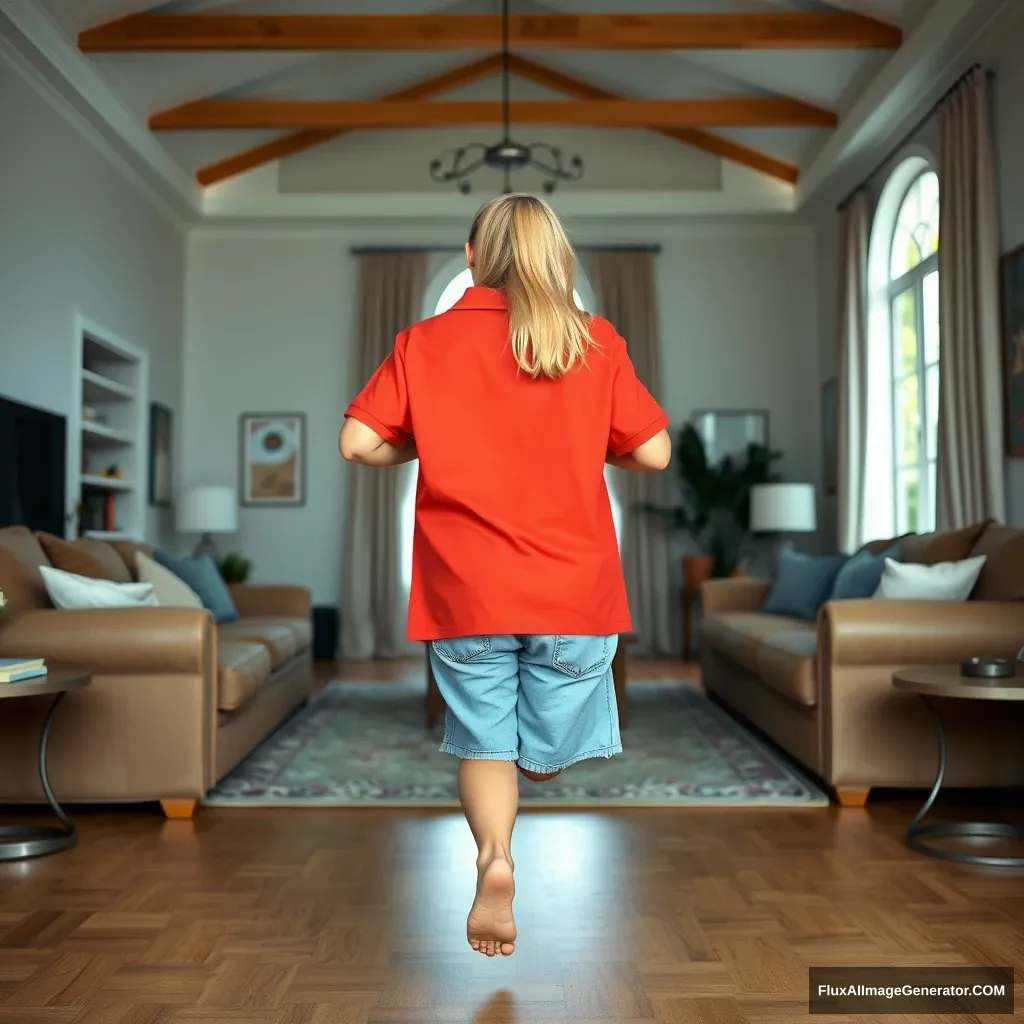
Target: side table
(19, 842)
(945, 681)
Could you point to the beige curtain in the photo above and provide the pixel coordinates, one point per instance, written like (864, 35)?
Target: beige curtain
(624, 282)
(969, 471)
(390, 297)
(851, 411)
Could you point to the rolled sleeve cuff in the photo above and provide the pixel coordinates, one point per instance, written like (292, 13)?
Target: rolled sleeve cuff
(393, 437)
(642, 436)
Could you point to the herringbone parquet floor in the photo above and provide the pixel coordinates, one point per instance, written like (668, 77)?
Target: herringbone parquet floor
(357, 917)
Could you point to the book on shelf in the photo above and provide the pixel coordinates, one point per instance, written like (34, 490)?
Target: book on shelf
(14, 670)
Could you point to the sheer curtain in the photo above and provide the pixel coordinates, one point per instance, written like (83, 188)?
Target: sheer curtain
(626, 295)
(373, 609)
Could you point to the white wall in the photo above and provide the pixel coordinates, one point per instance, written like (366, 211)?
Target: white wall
(269, 320)
(76, 236)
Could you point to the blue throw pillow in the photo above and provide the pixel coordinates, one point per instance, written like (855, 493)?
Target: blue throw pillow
(203, 576)
(860, 577)
(802, 584)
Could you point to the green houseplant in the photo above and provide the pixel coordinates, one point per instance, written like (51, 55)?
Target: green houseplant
(715, 507)
(235, 568)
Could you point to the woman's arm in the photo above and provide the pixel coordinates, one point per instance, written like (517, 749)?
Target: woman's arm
(651, 457)
(358, 443)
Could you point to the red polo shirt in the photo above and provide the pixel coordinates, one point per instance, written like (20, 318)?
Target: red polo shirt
(514, 530)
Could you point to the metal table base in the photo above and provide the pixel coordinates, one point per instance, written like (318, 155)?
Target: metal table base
(20, 842)
(918, 834)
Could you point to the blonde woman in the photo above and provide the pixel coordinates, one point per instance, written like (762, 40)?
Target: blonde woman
(513, 401)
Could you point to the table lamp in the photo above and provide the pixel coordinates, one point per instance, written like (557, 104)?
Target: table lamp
(783, 508)
(207, 510)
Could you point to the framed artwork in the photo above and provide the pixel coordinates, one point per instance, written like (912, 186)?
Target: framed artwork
(1012, 287)
(729, 431)
(273, 459)
(829, 434)
(161, 456)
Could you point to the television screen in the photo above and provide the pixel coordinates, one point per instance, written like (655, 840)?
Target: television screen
(32, 467)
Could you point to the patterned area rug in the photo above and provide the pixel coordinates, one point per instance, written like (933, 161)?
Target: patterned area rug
(366, 744)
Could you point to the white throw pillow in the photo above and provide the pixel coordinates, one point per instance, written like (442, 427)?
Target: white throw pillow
(170, 591)
(67, 590)
(946, 581)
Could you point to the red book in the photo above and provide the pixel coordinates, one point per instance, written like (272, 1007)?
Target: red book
(110, 513)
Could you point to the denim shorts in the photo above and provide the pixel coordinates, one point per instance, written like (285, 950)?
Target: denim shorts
(544, 701)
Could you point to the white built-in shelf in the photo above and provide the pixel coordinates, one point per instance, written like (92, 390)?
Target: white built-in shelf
(106, 483)
(102, 435)
(108, 535)
(97, 388)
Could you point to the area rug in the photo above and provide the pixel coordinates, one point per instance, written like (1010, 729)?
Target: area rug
(367, 744)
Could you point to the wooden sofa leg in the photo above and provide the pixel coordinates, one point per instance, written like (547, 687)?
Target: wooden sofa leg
(178, 810)
(852, 797)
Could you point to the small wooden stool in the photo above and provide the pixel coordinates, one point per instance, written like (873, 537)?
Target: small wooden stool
(435, 702)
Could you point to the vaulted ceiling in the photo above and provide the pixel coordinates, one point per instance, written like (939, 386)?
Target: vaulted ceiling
(680, 95)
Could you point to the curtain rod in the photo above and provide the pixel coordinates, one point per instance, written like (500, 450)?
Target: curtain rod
(379, 250)
(917, 127)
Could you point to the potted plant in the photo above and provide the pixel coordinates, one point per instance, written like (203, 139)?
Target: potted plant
(235, 568)
(715, 508)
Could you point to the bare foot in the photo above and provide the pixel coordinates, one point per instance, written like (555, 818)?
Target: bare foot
(490, 928)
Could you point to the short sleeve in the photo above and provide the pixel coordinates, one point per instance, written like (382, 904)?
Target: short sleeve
(636, 416)
(383, 405)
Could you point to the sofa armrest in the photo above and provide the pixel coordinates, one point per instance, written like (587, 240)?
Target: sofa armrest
(919, 632)
(113, 641)
(733, 595)
(271, 600)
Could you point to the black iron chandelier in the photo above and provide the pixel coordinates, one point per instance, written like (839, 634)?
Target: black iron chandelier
(458, 164)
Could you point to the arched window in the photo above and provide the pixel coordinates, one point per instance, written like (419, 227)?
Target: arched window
(451, 294)
(903, 355)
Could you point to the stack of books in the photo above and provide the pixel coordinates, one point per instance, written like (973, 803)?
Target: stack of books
(17, 670)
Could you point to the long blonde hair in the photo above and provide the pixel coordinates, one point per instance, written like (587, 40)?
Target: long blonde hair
(520, 247)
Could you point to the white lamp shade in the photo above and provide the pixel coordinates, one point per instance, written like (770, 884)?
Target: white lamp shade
(783, 508)
(207, 510)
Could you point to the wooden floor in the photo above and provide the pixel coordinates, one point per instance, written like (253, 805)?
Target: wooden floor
(357, 917)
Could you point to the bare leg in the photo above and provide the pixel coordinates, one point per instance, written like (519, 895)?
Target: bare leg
(489, 792)
(537, 777)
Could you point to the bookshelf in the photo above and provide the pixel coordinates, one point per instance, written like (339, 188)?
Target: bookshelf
(109, 441)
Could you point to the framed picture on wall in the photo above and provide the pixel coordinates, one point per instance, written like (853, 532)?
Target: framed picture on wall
(730, 431)
(829, 435)
(273, 459)
(1012, 287)
(161, 456)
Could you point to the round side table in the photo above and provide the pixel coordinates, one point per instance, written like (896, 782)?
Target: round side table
(19, 842)
(945, 681)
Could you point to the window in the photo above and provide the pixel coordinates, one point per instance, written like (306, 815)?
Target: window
(451, 294)
(903, 355)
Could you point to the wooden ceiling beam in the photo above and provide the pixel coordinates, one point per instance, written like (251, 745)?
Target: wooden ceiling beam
(300, 141)
(577, 88)
(247, 114)
(777, 30)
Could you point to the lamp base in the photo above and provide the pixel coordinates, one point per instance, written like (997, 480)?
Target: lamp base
(206, 547)
(781, 548)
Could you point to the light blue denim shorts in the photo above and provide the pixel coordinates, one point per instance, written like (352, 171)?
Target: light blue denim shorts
(544, 701)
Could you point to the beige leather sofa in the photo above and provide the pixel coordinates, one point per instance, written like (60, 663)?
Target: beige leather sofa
(823, 690)
(176, 701)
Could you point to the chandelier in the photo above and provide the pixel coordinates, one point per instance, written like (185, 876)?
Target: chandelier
(458, 164)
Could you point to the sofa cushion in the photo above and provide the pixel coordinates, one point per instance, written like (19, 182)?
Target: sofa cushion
(859, 578)
(945, 581)
(739, 635)
(788, 663)
(280, 640)
(127, 550)
(950, 546)
(242, 671)
(802, 584)
(85, 557)
(202, 575)
(20, 558)
(170, 589)
(1002, 576)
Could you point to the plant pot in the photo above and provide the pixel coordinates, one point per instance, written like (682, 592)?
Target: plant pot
(697, 570)
(740, 573)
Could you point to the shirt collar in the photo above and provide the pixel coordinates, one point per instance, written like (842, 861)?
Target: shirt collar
(482, 298)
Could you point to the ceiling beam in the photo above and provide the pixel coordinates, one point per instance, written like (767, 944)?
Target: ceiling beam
(742, 111)
(778, 30)
(577, 88)
(298, 142)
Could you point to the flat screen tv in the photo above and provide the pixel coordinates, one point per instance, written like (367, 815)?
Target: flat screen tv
(33, 444)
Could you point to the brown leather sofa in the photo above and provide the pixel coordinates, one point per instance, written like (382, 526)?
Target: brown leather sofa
(823, 691)
(175, 702)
